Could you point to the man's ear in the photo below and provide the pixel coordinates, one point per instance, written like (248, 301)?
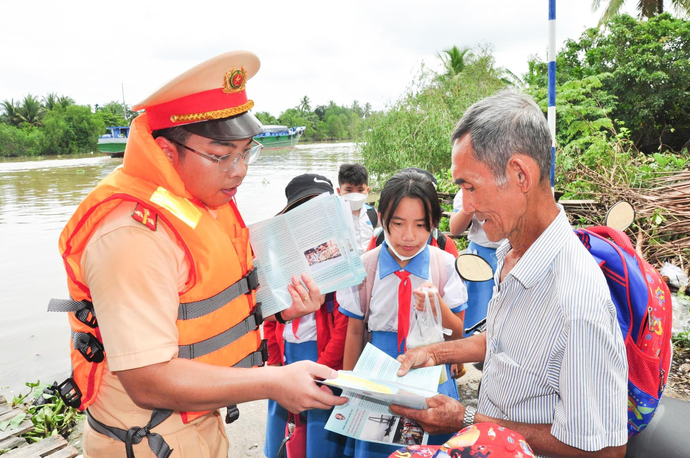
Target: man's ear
(337, 190)
(524, 171)
(367, 189)
(168, 148)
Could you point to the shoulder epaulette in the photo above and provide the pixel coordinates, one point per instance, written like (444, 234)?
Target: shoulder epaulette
(145, 217)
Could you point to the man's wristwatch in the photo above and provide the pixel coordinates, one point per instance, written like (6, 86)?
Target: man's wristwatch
(468, 419)
(280, 319)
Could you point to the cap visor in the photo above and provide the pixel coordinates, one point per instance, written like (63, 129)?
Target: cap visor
(244, 125)
(300, 199)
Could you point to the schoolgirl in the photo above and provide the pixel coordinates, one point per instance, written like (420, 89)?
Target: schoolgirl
(408, 211)
(317, 337)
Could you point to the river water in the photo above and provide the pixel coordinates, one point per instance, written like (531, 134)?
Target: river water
(36, 200)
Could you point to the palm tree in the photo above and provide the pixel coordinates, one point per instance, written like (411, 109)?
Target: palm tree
(357, 108)
(65, 101)
(50, 100)
(31, 111)
(367, 110)
(9, 115)
(304, 104)
(453, 61)
(646, 8)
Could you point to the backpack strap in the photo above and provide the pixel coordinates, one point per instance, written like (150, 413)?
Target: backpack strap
(380, 236)
(439, 272)
(440, 238)
(618, 237)
(370, 259)
(373, 216)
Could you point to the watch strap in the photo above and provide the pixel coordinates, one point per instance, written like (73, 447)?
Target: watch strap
(468, 418)
(280, 319)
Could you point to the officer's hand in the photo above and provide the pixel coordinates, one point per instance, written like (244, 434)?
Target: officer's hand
(296, 390)
(443, 416)
(304, 300)
(416, 357)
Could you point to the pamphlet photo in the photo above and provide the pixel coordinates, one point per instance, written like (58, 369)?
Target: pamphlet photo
(380, 428)
(408, 432)
(323, 255)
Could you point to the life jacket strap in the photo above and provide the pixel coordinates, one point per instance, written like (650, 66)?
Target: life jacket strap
(245, 285)
(199, 349)
(83, 310)
(136, 434)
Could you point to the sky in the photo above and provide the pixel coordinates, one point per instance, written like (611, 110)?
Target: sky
(367, 51)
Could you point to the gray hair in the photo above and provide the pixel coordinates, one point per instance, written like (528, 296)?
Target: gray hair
(505, 124)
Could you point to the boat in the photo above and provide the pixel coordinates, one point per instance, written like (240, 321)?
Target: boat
(280, 136)
(113, 142)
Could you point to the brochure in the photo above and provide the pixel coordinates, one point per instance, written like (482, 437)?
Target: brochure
(371, 387)
(375, 376)
(316, 238)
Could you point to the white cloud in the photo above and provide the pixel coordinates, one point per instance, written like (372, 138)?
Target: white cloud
(363, 50)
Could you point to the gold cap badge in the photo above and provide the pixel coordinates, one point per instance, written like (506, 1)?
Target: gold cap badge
(234, 80)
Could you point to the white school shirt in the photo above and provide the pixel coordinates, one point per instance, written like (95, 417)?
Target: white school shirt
(477, 234)
(383, 305)
(554, 350)
(364, 230)
(306, 331)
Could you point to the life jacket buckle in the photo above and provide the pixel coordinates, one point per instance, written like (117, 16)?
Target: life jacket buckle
(258, 315)
(252, 280)
(68, 391)
(89, 347)
(232, 415)
(86, 315)
(263, 348)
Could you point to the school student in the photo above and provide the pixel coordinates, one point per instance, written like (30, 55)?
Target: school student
(436, 238)
(319, 336)
(409, 210)
(353, 186)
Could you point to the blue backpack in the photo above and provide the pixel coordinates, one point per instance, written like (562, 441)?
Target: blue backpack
(643, 303)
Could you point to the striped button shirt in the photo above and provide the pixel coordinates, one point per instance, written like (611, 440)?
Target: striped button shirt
(555, 353)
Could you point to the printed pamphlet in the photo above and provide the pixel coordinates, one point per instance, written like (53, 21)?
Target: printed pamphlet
(316, 238)
(372, 387)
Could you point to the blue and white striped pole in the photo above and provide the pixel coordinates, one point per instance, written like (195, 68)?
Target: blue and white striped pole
(551, 114)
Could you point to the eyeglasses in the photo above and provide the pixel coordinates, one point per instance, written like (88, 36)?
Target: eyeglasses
(229, 161)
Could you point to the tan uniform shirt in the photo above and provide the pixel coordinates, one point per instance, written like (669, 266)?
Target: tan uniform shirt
(135, 275)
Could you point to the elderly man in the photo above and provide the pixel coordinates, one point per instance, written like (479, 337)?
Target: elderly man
(555, 363)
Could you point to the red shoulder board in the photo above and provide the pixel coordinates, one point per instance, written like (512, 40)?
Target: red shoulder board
(145, 217)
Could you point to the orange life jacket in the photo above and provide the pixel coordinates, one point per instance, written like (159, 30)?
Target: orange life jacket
(149, 179)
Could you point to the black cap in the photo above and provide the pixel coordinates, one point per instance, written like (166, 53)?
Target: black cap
(426, 173)
(305, 186)
(238, 127)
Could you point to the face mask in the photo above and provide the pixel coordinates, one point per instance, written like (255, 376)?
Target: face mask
(390, 246)
(355, 199)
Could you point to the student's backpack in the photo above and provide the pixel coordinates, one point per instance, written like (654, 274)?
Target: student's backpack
(643, 305)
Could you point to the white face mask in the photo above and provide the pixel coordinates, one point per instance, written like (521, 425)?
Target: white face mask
(355, 199)
(390, 246)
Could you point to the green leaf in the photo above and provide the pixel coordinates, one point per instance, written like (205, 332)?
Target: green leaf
(17, 420)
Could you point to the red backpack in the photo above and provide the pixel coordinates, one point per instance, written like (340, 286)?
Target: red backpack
(643, 304)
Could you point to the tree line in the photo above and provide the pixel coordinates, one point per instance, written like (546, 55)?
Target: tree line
(324, 122)
(55, 124)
